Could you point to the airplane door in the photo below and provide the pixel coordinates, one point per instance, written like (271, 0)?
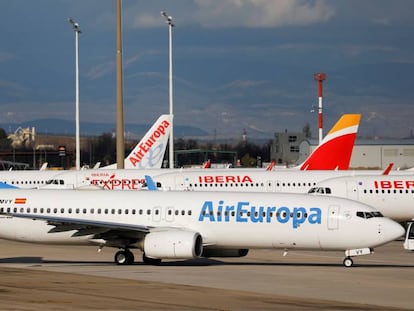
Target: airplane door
(156, 214)
(180, 183)
(409, 237)
(169, 213)
(352, 190)
(333, 217)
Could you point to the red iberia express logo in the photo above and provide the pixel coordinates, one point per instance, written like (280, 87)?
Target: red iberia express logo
(20, 201)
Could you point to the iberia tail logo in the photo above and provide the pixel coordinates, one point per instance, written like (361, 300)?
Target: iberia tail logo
(335, 150)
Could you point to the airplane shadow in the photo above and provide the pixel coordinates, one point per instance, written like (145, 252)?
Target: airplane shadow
(202, 262)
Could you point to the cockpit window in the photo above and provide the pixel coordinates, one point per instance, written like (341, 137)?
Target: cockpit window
(55, 182)
(320, 190)
(368, 215)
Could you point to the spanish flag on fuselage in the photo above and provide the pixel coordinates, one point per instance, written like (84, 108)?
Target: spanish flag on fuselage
(20, 201)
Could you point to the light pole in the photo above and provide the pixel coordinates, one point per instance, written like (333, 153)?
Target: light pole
(169, 21)
(77, 31)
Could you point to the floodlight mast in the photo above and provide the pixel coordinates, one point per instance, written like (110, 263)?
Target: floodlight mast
(77, 31)
(169, 21)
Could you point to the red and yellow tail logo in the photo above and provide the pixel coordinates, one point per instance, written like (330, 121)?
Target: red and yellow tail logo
(334, 153)
(20, 201)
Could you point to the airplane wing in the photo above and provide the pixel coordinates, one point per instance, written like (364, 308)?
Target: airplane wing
(115, 234)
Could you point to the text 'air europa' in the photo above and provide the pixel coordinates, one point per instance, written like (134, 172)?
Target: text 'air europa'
(247, 212)
(144, 147)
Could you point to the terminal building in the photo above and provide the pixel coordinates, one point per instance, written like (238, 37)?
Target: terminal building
(292, 148)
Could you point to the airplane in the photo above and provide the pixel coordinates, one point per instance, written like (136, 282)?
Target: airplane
(393, 196)
(189, 225)
(341, 137)
(147, 154)
(247, 180)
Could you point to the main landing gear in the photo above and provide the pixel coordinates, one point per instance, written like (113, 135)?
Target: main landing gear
(124, 257)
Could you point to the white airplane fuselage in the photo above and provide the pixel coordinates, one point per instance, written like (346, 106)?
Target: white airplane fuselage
(223, 220)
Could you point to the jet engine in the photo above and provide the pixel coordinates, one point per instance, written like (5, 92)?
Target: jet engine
(172, 244)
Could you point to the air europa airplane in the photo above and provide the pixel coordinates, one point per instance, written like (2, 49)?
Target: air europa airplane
(147, 154)
(187, 225)
(325, 157)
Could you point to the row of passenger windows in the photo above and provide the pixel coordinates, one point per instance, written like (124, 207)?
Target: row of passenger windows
(26, 182)
(293, 184)
(112, 211)
(388, 191)
(227, 185)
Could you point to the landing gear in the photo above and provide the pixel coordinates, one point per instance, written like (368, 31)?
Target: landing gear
(348, 262)
(151, 261)
(125, 257)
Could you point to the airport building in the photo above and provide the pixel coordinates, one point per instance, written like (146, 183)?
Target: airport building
(291, 148)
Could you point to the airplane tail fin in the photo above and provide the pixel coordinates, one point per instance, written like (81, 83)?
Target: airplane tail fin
(149, 152)
(271, 166)
(335, 150)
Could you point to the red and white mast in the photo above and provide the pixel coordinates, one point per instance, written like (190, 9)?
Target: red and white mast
(320, 76)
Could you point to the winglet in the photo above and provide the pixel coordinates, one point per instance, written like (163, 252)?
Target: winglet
(271, 165)
(150, 183)
(335, 150)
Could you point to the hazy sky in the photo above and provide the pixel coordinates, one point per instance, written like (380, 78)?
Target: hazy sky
(238, 64)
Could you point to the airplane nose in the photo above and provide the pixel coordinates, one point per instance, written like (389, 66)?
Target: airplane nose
(394, 230)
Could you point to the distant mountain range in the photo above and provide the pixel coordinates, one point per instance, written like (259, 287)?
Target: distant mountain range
(65, 127)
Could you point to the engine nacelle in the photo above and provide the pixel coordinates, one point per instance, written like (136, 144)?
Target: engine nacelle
(224, 252)
(173, 244)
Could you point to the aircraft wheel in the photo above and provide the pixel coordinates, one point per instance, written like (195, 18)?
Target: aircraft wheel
(129, 257)
(348, 262)
(125, 257)
(151, 261)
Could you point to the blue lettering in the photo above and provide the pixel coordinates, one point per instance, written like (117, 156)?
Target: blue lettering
(316, 216)
(240, 212)
(219, 211)
(207, 211)
(256, 216)
(269, 212)
(283, 215)
(299, 216)
(229, 208)
(245, 212)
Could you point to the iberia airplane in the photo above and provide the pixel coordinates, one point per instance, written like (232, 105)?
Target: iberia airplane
(148, 154)
(341, 137)
(187, 225)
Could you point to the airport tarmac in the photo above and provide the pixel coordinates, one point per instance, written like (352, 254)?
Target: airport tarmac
(43, 277)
